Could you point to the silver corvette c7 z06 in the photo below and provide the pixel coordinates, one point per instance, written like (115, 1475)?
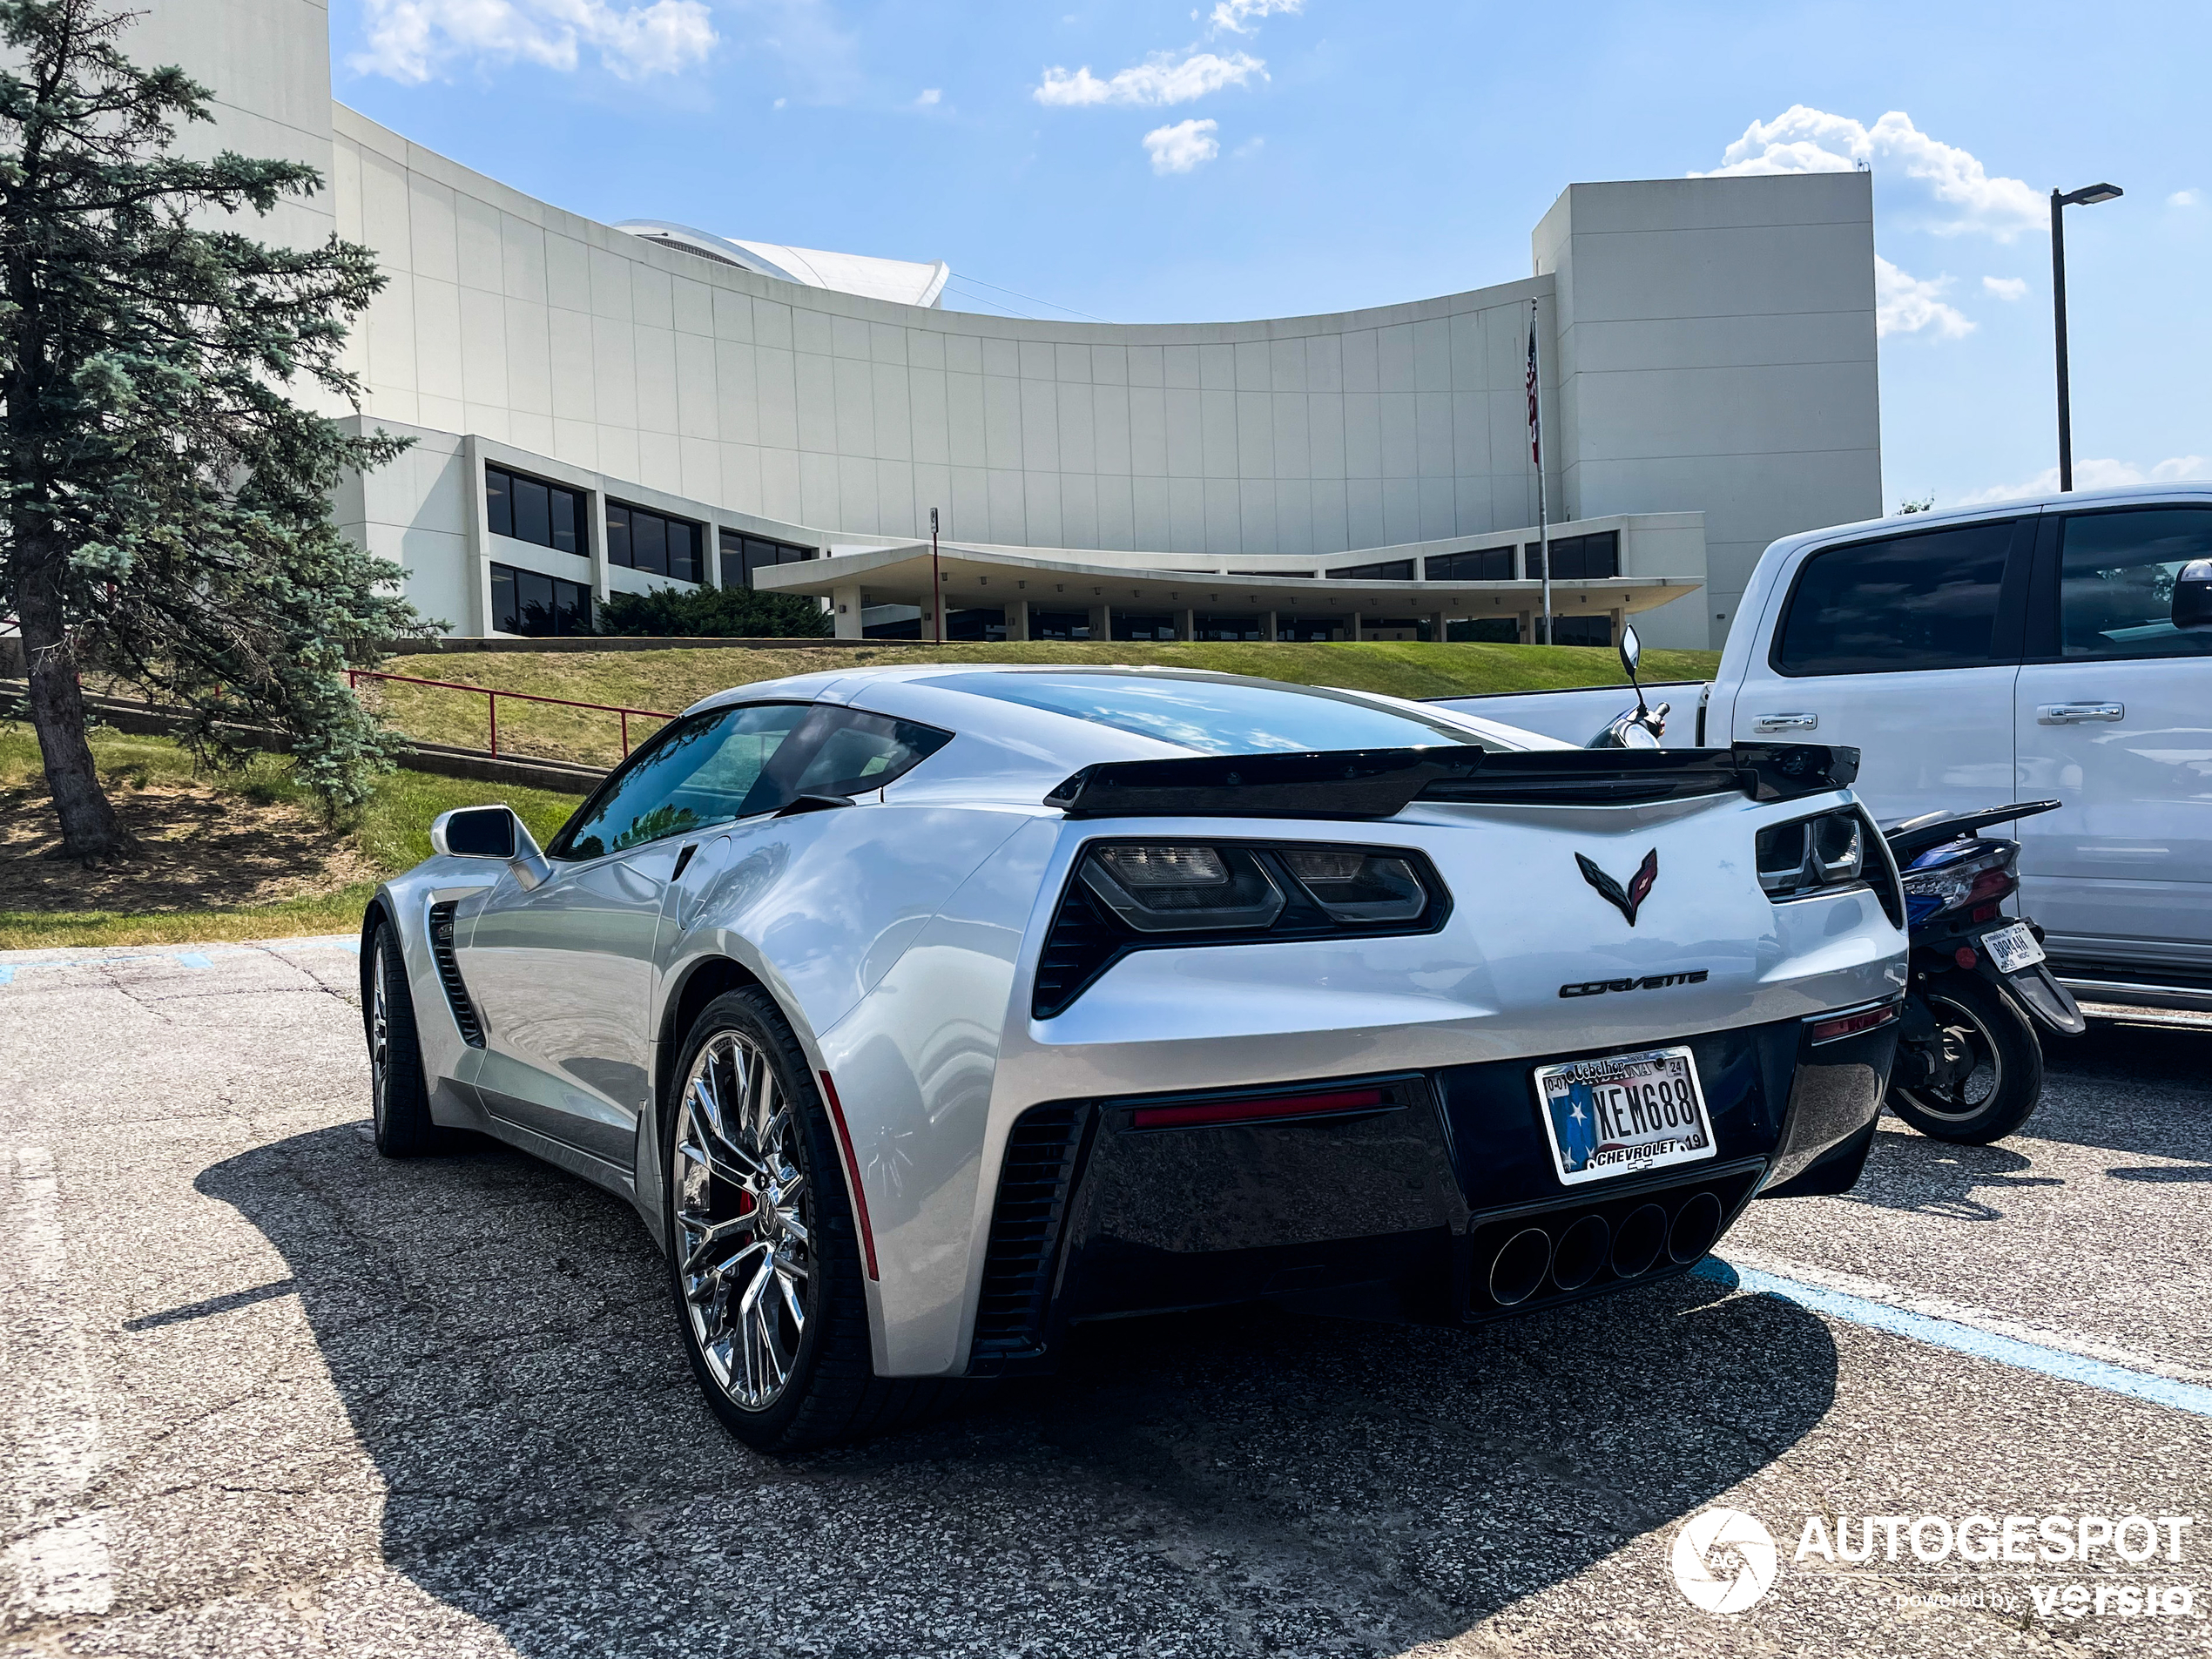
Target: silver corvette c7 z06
(924, 1011)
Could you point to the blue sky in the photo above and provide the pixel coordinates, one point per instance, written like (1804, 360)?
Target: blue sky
(1256, 157)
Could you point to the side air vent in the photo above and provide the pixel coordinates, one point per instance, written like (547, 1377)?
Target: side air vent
(1077, 950)
(1034, 1184)
(464, 1011)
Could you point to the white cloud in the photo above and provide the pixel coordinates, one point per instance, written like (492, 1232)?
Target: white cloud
(1236, 16)
(1160, 79)
(2005, 288)
(930, 96)
(2185, 199)
(1802, 139)
(1183, 146)
(1904, 305)
(412, 40)
(1251, 147)
(2096, 475)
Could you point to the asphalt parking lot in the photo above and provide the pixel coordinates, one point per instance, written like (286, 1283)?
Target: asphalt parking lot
(264, 1393)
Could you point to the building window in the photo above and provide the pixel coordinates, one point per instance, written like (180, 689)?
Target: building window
(1483, 564)
(1389, 571)
(1489, 631)
(1299, 630)
(1581, 630)
(1140, 625)
(742, 555)
(643, 540)
(1577, 559)
(530, 510)
(1059, 625)
(1204, 626)
(522, 601)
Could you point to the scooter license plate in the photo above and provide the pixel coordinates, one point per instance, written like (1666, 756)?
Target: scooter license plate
(2011, 948)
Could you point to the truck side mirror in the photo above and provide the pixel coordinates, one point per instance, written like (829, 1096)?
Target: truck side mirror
(478, 833)
(2192, 595)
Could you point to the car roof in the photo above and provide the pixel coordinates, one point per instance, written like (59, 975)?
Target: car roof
(919, 691)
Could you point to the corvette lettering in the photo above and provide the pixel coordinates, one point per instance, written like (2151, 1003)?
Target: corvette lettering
(1649, 982)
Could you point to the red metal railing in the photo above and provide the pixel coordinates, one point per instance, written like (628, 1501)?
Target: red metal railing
(354, 676)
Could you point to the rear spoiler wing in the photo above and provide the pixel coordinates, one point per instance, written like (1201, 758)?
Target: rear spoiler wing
(1380, 783)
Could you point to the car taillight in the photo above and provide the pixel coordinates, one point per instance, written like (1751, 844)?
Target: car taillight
(1810, 855)
(1180, 889)
(1136, 895)
(1352, 885)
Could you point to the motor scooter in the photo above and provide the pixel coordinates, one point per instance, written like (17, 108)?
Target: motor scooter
(1969, 1062)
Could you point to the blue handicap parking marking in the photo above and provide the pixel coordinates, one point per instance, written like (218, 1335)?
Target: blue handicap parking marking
(192, 959)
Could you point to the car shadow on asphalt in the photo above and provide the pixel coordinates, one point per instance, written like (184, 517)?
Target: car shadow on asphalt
(500, 1336)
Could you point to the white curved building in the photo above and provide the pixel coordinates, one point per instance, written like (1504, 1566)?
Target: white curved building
(792, 417)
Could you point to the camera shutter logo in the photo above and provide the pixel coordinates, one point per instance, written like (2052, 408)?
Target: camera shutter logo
(1724, 1559)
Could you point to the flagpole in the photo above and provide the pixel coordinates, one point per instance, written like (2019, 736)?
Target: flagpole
(1536, 453)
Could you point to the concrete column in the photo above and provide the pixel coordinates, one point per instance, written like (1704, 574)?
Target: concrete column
(1017, 619)
(478, 541)
(1524, 622)
(1436, 627)
(845, 613)
(1619, 615)
(1267, 628)
(1101, 623)
(1351, 630)
(1186, 626)
(598, 500)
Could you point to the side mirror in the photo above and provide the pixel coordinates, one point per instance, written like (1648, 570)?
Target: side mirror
(2192, 595)
(478, 833)
(1631, 659)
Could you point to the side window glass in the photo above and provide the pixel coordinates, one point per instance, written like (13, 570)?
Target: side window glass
(855, 751)
(697, 772)
(2116, 573)
(1909, 602)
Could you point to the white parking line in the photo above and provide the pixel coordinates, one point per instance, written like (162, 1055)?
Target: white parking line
(62, 1564)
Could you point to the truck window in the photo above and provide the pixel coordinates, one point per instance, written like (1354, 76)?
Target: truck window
(2116, 574)
(1907, 602)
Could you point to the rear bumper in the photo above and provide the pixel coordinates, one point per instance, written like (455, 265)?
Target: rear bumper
(1436, 1201)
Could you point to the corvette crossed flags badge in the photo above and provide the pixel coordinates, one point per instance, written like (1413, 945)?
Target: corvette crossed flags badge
(1627, 901)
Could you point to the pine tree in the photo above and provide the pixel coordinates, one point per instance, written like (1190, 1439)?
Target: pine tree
(165, 503)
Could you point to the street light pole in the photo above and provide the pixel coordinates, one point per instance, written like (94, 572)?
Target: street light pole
(2060, 200)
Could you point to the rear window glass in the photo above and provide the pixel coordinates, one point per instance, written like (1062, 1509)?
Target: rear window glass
(1213, 716)
(1909, 602)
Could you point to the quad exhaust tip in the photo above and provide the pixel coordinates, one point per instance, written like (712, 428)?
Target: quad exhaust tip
(1564, 1254)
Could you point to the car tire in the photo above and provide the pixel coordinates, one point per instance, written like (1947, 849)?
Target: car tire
(2003, 1043)
(399, 1098)
(791, 1367)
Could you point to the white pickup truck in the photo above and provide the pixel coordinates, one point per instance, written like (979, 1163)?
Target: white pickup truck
(2035, 649)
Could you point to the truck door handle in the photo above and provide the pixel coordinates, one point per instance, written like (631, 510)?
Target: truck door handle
(1788, 723)
(2076, 713)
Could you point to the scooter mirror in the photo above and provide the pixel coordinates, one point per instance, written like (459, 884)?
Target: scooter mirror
(1631, 650)
(2192, 595)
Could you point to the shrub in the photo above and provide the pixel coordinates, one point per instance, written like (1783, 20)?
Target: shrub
(725, 613)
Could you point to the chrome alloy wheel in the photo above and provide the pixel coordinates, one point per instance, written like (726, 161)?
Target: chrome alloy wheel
(379, 1032)
(743, 1217)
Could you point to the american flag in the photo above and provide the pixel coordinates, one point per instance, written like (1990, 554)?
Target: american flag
(1535, 433)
